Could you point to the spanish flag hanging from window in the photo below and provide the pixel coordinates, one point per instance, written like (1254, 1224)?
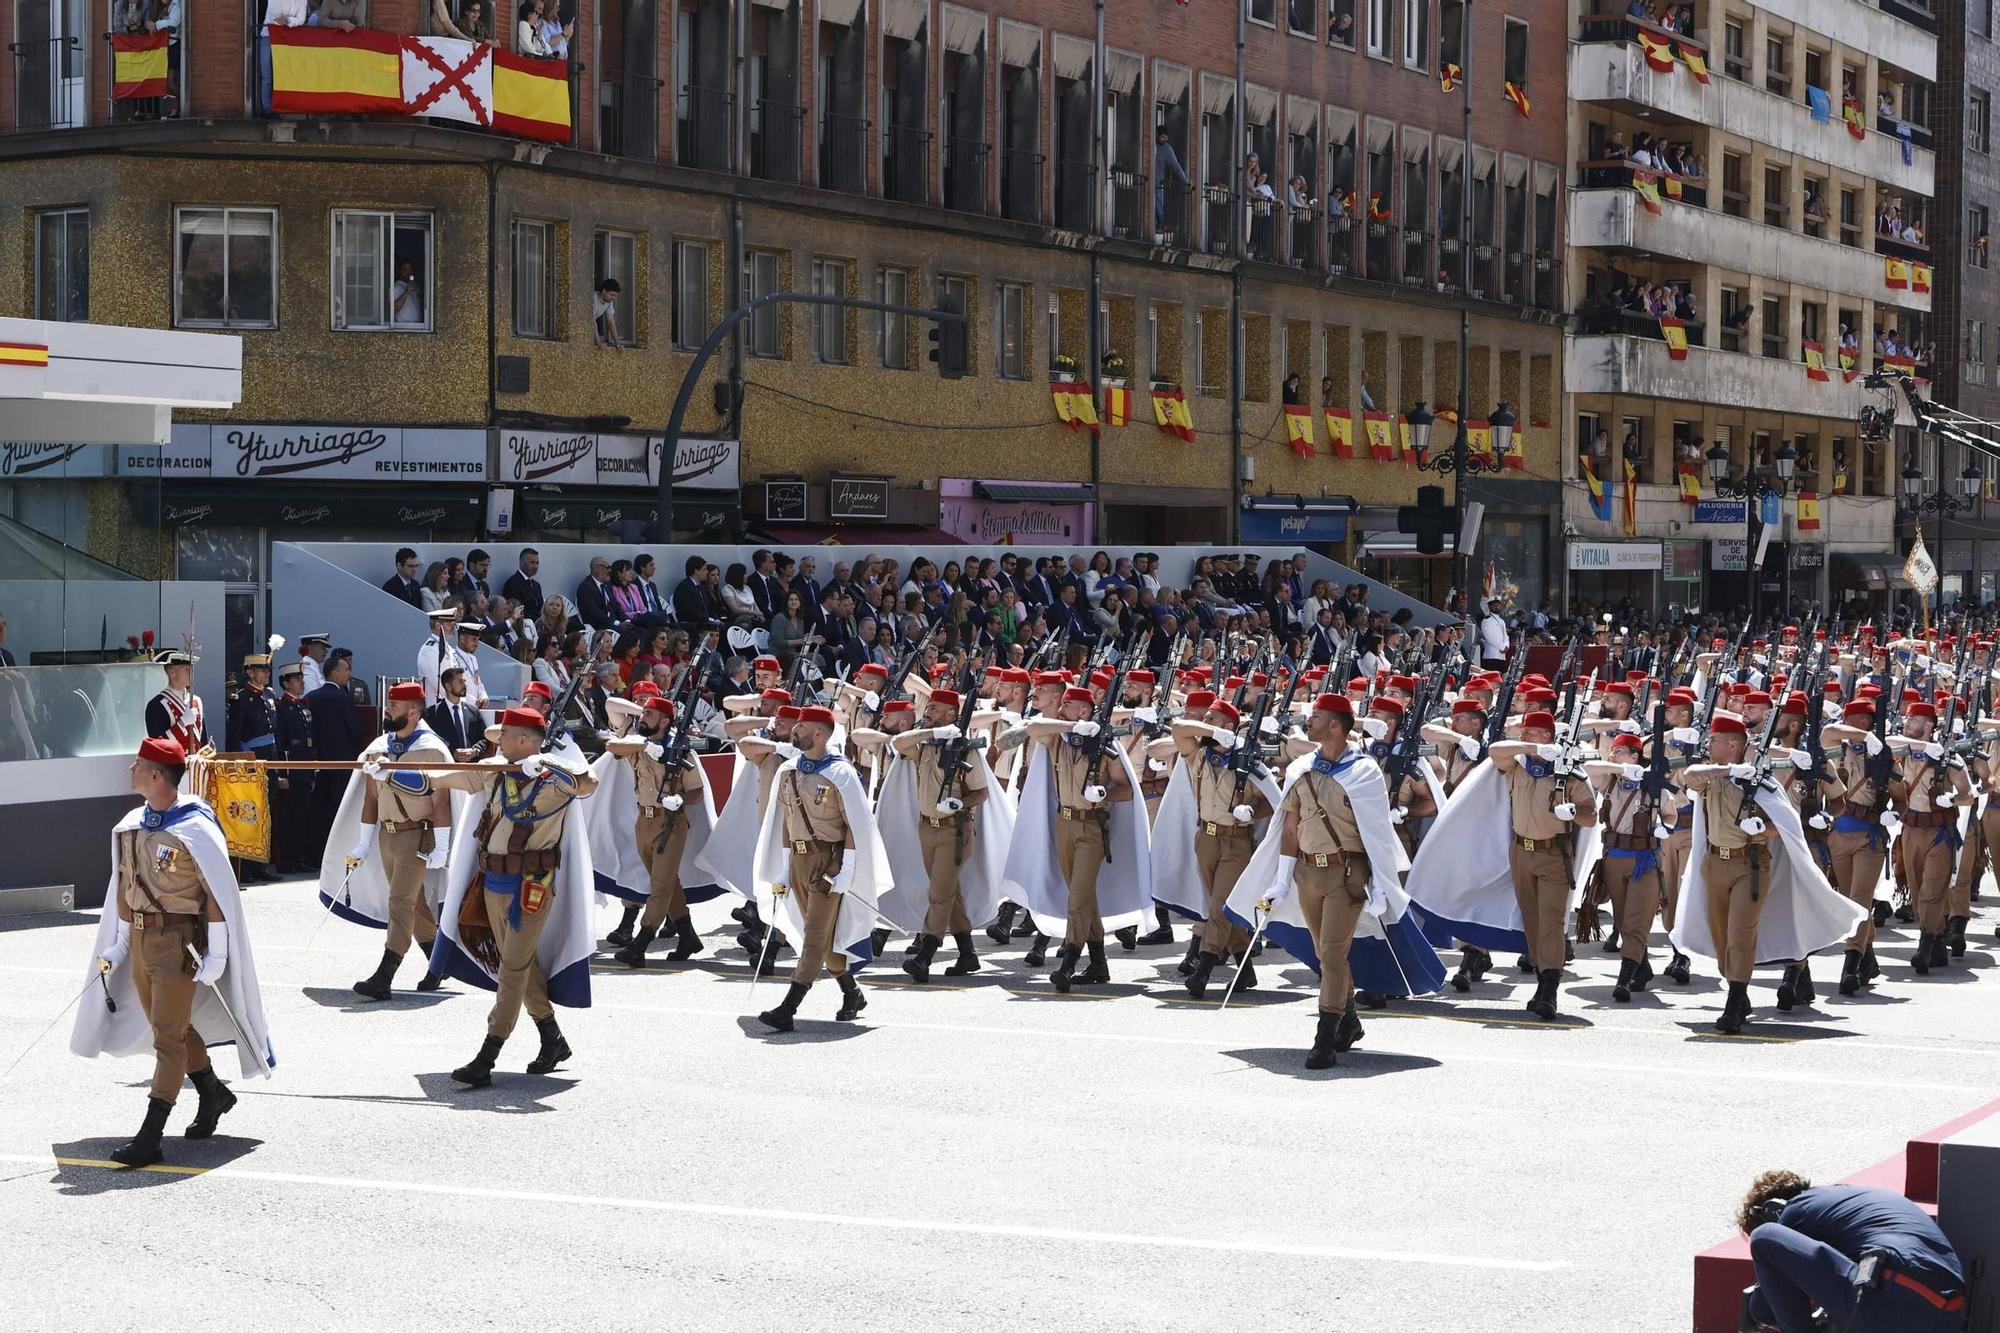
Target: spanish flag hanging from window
(1171, 415)
(1839, 479)
(1380, 447)
(1676, 334)
(1850, 365)
(1074, 406)
(1377, 213)
(531, 99)
(1518, 96)
(1808, 515)
(1856, 118)
(1404, 445)
(1449, 74)
(1299, 430)
(1659, 53)
(1117, 404)
(1339, 431)
(1600, 492)
(1895, 273)
(1690, 476)
(1648, 190)
(138, 65)
(1630, 509)
(327, 70)
(1815, 362)
(1697, 63)
(1920, 277)
(1516, 456)
(1479, 442)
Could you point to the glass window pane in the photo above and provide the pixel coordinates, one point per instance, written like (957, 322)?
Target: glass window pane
(410, 287)
(895, 328)
(252, 276)
(201, 266)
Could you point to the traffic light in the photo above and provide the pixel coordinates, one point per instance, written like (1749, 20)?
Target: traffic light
(1428, 518)
(947, 339)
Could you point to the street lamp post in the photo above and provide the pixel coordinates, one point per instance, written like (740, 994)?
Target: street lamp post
(1941, 503)
(1459, 461)
(1753, 489)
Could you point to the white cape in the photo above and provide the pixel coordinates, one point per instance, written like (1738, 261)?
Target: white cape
(1176, 874)
(98, 1031)
(729, 858)
(1035, 879)
(856, 920)
(980, 878)
(611, 822)
(1802, 912)
(1462, 873)
(363, 897)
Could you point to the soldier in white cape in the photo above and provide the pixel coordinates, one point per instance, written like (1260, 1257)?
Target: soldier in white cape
(179, 860)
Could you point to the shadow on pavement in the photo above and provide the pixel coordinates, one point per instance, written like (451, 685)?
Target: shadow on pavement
(1290, 1061)
(1511, 1016)
(809, 1031)
(1759, 1028)
(511, 1093)
(84, 1166)
(347, 1002)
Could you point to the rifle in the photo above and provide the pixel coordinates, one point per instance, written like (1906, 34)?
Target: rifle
(955, 756)
(893, 687)
(557, 727)
(1256, 665)
(1496, 724)
(1243, 759)
(1750, 785)
(1653, 787)
(1100, 743)
(1405, 751)
(1163, 686)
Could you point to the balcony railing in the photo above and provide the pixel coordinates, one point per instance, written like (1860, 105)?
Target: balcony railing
(843, 152)
(906, 158)
(1615, 173)
(706, 131)
(1920, 137)
(1074, 181)
(965, 172)
(1217, 199)
(1021, 184)
(776, 129)
(49, 84)
(1909, 12)
(172, 96)
(628, 114)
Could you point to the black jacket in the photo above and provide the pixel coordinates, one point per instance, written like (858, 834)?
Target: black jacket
(690, 604)
(593, 604)
(252, 717)
(528, 592)
(458, 723)
(336, 722)
(409, 590)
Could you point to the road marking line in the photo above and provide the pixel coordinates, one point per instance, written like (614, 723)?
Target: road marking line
(1232, 1245)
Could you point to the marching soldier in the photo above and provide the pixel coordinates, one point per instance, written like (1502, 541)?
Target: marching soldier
(662, 833)
(293, 798)
(1736, 866)
(173, 955)
(1927, 789)
(175, 712)
(1082, 833)
(1225, 811)
(1859, 842)
(1543, 814)
(406, 821)
(948, 830)
(1631, 859)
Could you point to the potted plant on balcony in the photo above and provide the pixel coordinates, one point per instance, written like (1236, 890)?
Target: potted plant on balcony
(1063, 367)
(1113, 369)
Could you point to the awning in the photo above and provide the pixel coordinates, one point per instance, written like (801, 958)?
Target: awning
(1401, 546)
(1072, 56)
(1170, 83)
(1055, 493)
(698, 511)
(1873, 572)
(962, 30)
(863, 535)
(236, 505)
(904, 19)
(1020, 44)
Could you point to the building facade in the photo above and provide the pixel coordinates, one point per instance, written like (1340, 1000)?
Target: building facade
(1754, 228)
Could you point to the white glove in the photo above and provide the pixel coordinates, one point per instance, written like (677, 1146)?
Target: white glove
(1892, 821)
(1375, 727)
(1564, 731)
(654, 750)
(1752, 825)
(1684, 735)
(1874, 743)
(1947, 799)
(373, 768)
(1088, 727)
(364, 845)
(1156, 765)
(532, 766)
(1243, 814)
(1661, 832)
(1281, 882)
(1832, 712)
(1958, 726)
(217, 958)
(1269, 725)
(1932, 750)
(1801, 758)
(950, 805)
(1397, 814)
(1565, 811)
(673, 802)
(1742, 772)
(1378, 902)
(1629, 728)
(872, 701)
(1549, 752)
(120, 950)
(1923, 663)
(1095, 792)
(1226, 738)
(1820, 821)
(1148, 715)
(1468, 747)
(948, 732)
(440, 851)
(1632, 772)
(845, 875)
(785, 750)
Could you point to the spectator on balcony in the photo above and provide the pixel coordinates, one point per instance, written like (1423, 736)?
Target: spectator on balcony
(1637, 12)
(346, 15)
(1737, 321)
(1614, 149)
(1885, 105)
(1367, 396)
(277, 14)
(531, 33)
(604, 312)
(1684, 309)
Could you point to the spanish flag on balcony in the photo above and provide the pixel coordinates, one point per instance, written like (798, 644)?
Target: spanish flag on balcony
(1380, 447)
(1600, 492)
(1648, 189)
(1518, 96)
(1808, 515)
(1299, 430)
(24, 354)
(1690, 478)
(1895, 273)
(1856, 118)
(1377, 213)
(1676, 334)
(1449, 74)
(1839, 481)
(327, 70)
(1630, 509)
(1659, 53)
(531, 99)
(1117, 404)
(138, 65)
(1920, 277)
(1404, 445)
(1340, 431)
(1516, 456)
(1074, 406)
(1697, 63)
(1850, 365)
(1171, 415)
(1671, 187)
(1479, 442)
(1815, 362)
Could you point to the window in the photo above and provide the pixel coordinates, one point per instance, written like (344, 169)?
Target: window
(615, 256)
(62, 265)
(1777, 66)
(895, 290)
(1979, 121)
(1262, 11)
(226, 268)
(956, 294)
(760, 278)
(381, 271)
(1733, 62)
(1976, 220)
(1416, 33)
(1378, 28)
(1975, 351)
(690, 293)
(1850, 217)
(1773, 328)
(534, 279)
(1979, 16)
(1013, 331)
(1516, 53)
(829, 322)
(1735, 194)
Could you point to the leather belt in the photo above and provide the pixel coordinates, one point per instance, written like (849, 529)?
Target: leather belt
(1628, 842)
(802, 846)
(1734, 853)
(404, 825)
(941, 821)
(1928, 818)
(1215, 830)
(1534, 844)
(1071, 812)
(518, 863)
(163, 920)
(1855, 810)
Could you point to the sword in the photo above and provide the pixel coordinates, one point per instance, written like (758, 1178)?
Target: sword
(53, 1021)
(353, 864)
(1249, 950)
(770, 942)
(223, 1000)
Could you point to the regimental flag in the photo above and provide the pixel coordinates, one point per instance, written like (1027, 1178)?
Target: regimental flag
(1074, 406)
(1630, 509)
(448, 78)
(1850, 365)
(1449, 74)
(531, 99)
(1895, 273)
(1117, 404)
(1299, 430)
(138, 65)
(1659, 52)
(1815, 362)
(1490, 583)
(1808, 514)
(1377, 213)
(1697, 63)
(1676, 334)
(1479, 442)
(1518, 96)
(1648, 189)
(1690, 477)
(318, 70)
(1856, 118)
(1171, 415)
(1381, 447)
(1600, 491)
(1339, 431)
(1920, 277)
(31, 355)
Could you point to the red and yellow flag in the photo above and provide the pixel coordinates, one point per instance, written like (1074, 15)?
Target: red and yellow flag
(1074, 406)
(1850, 365)
(1479, 442)
(1516, 456)
(1518, 96)
(1920, 277)
(1676, 334)
(1659, 52)
(1117, 404)
(1600, 497)
(1690, 477)
(1697, 63)
(1895, 273)
(531, 99)
(327, 70)
(1171, 415)
(1380, 447)
(1808, 516)
(24, 354)
(1377, 213)
(1404, 444)
(1449, 73)
(1647, 187)
(1671, 186)
(1815, 362)
(1299, 430)
(1340, 431)
(138, 65)
(1856, 118)
(1630, 507)
(1839, 482)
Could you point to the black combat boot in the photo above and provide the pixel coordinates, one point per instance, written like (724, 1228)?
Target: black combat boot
(1065, 966)
(1099, 971)
(1350, 1030)
(780, 1018)
(634, 952)
(479, 1073)
(1000, 931)
(968, 957)
(688, 943)
(852, 1001)
(1038, 953)
(1954, 935)
(1246, 975)
(1622, 992)
(1940, 950)
(1787, 995)
(745, 914)
(877, 939)
(1612, 944)
(1544, 1003)
(1870, 969)
(1642, 973)
(1371, 999)
(919, 964)
(1461, 980)
(1677, 968)
(1026, 927)
(216, 1101)
(1127, 937)
(1323, 1047)
(1192, 957)
(430, 980)
(1802, 987)
(1880, 908)
(554, 1049)
(623, 935)
(1204, 968)
(1163, 933)
(145, 1149)
(1524, 964)
(376, 987)
(1850, 972)
(1921, 960)
(1735, 1009)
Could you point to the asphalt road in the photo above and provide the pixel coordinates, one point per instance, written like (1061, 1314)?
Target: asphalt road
(980, 1154)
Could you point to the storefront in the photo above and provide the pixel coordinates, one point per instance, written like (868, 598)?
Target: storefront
(1016, 513)
(590, 486)
(1680, 575)
(1805, 577)
(1613, 574)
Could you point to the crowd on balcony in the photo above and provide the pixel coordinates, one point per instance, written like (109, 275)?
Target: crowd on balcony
(1631, 304)
(1893, 225)
(1666, 16)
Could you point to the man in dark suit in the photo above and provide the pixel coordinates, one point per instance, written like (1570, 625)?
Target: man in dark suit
(293, 801)
(1040, 590)
(523, 587)
(404, 583)
(656, 613)
(765, 585)
(336, 725)
(690, 598)
(474, 584)
(807, 587)
(457, 722)
(593, 596)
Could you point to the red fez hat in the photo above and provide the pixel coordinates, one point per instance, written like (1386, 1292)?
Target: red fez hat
(1237, 682)
(1016, 675)
(899, 706)
(790, 713)
(1756, 696)
(1535, 679)
(772, 664)
(1334, 703)
(1102, 677)
(539, 689)
(949, 698)
(995, 672)
(819, 713)
(661, 704)
(867, 668)
(1619, 688)
(522, 717)
(1625, 740)
(1636, 676)
(775, 695)
(1921, 709)
(1795, 704)
(1076, 694)
(642, 689)
(940, 671)
(1722, 725)
(1538, 721)
(1407, 684)
(162, 750)
(1867, 689)
(1859, 708)
(1681, 698)
(1911, 696)
(1831, 688)
(1541, 694)
(1258, 680)
(1198, 701)
(1460, 707)
(1358, 683)
(410, 692)
(1048, 678)
(1227, 709)
(1141, 677)
(1384, 704)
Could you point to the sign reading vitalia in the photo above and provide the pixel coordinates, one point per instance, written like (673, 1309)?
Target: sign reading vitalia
(1614, 555)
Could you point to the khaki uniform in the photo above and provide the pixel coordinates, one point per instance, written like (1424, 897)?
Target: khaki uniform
(1858, 853)
(1332, 875)
(1537, 857)
(1082, 834)
(946, 841)
(406, 822)
(662, 835)
(1635, 898)
(1678, 848)
(527, 843)
(815, 829)
(1926, 844)
(163, 925)
(1737, 875)
(1221, 850)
